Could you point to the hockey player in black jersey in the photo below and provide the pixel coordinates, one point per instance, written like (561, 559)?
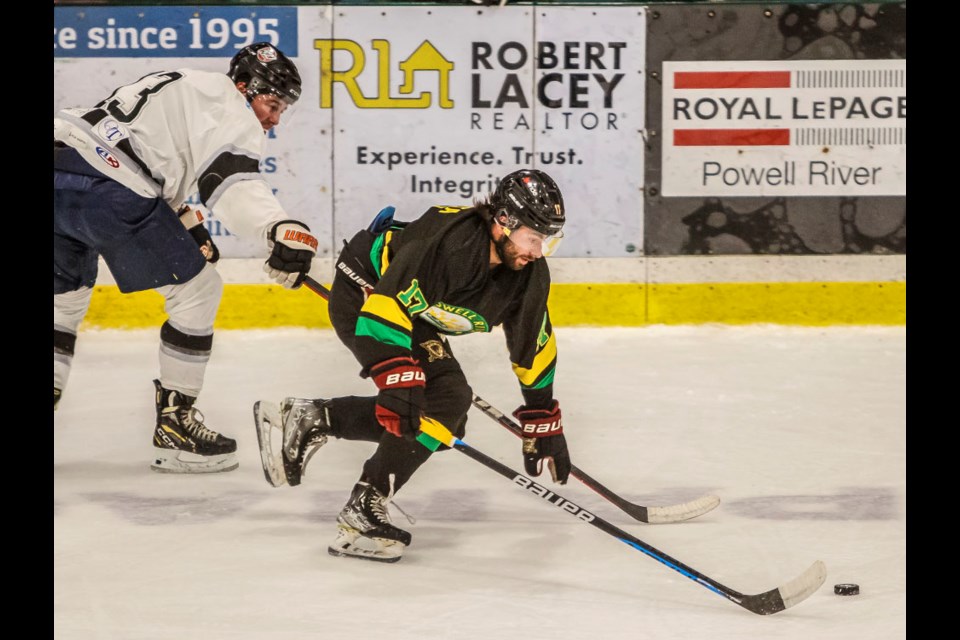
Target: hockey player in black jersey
(399, 291)
(122, 171)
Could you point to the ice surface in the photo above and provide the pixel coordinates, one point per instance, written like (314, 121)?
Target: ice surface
(800, 431)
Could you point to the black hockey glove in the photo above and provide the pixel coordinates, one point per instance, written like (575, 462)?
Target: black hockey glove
(399, 404)
(542, 431)
(192, 219)
(293, 247)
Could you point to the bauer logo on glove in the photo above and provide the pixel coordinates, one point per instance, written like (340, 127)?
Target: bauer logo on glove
(543, 428)
(406, 376)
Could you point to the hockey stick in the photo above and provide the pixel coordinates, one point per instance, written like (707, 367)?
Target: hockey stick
(651, 515)
(766, 603)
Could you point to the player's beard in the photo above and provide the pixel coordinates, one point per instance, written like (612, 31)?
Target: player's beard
(511, 255)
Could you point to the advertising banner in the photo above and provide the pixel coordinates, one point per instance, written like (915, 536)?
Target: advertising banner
(431, 105)
(788, 128)
(172, 32)
(409, 106)
(775, 129)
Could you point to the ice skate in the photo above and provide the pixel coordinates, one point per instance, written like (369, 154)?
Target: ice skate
(182, 443)
(302, 427)
(364, 529)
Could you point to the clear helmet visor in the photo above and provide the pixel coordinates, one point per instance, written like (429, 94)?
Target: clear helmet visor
(270, 105)
(550, 244)
(533, 242)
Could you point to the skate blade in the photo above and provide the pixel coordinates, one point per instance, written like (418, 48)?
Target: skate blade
(350, 544)
(173, 461)
(266, 415)
(373, 558)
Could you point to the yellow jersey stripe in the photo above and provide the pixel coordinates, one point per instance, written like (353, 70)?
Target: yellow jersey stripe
(540, 362)
(388, 309)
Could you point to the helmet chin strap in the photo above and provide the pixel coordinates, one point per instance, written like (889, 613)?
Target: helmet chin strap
(498, 247)
(498, 244)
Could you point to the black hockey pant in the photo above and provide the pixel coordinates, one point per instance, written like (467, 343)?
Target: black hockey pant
(448, 396)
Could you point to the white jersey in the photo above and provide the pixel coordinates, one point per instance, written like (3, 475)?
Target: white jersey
(172, 134)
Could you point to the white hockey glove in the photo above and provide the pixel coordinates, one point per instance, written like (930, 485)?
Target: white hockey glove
(292, 249)
(192, 219)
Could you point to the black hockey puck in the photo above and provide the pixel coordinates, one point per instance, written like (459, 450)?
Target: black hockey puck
(847, 589)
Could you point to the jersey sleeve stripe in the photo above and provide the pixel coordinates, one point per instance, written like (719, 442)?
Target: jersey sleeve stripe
(384, 255)
(543, 361)
(381, 306)
(543, 382)
(227, 165)
(375, 254)
(382, 333)
(379, 256)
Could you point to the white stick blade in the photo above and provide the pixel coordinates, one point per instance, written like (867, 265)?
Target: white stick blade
(681, 512)
(804, 585)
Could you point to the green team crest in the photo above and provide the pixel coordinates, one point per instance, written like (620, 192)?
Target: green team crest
(455, 320)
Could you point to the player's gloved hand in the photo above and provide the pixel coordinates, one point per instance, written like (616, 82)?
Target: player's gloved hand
(401, 382)
(542, 431)
(192, 219)
(292, 249)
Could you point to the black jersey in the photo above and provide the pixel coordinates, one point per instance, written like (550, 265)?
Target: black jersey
(436, 269)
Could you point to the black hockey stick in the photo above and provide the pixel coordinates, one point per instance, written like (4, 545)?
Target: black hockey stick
(310, 283)
(651, 515)
(766, 603)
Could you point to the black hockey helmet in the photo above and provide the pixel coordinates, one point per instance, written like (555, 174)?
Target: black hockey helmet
(531, 198)
(266, 70)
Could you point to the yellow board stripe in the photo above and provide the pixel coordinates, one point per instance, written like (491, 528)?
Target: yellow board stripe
(791, 303)
(388, 309)
(243, 306)
(796, 303)
(540, 362)
(262, 306)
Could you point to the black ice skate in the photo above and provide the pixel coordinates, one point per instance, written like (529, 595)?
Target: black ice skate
(364, 529)
(181, 442)
(305, 425)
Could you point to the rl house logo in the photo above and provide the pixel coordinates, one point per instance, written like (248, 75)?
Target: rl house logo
(425, 58)
(575, 81)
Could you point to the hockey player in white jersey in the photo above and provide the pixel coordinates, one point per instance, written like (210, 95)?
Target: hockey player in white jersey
(122, 173)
